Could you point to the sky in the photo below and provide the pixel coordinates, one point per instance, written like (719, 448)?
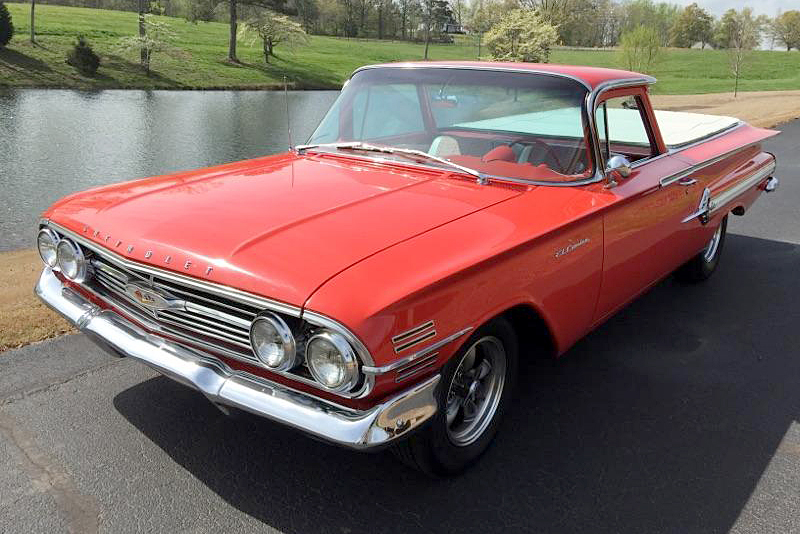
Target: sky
(766, 7)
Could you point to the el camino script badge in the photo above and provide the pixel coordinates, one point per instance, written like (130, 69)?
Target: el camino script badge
(572, 246)
(149, 298)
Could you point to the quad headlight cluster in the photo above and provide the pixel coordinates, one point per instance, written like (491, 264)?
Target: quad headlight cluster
(62, 254)
(329, 356)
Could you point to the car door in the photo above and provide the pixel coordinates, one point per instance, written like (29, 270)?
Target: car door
(644, 234)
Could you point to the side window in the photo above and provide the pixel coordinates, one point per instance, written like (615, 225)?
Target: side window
(622, 129)
(386, 111)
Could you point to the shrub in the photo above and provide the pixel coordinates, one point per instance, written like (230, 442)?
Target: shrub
(83, 58)
(641, 49)
(6, 27)
(521, 35)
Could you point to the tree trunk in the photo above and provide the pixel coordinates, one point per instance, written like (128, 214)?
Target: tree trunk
(380, 20)
(267, 51)
(232, 43)
(403, 19)
(480, 38)
(33, 6)
(144, 57)
(736, 85)
(427, 36)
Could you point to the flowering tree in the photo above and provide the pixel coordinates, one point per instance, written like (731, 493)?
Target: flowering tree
(521, 35)
(272, 29)
(154, 36)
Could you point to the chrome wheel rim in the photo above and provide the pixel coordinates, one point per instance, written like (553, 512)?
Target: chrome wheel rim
(713, 245)
(475, 391)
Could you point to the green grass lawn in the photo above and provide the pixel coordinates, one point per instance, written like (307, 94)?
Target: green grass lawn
(324, 63)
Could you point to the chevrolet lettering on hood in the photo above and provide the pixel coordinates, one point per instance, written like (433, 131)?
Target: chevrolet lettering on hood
(378, 285)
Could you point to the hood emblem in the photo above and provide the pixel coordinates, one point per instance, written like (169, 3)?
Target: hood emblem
(152, 299)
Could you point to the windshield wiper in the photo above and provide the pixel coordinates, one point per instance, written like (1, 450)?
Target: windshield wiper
(407, 152)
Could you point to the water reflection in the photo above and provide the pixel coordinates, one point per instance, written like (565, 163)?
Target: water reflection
(55, 142)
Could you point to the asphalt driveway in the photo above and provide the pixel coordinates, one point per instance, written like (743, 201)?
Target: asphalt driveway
(681, 414)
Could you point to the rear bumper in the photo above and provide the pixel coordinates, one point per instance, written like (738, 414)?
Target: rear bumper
(356, 429)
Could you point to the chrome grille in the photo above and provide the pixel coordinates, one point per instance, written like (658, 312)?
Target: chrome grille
(222, 323)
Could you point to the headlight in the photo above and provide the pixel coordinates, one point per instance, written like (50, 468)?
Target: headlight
(47, 241)
(71, 260)
(273, 343)
(331, 360)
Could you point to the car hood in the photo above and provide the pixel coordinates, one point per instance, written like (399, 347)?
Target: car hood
(277, 226)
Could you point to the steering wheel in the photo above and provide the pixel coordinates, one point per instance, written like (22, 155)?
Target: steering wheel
(548, 151)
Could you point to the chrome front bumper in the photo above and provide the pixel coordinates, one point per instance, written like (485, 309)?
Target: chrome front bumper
(357, 429)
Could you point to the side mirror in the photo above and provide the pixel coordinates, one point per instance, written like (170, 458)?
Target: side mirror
(620, 165)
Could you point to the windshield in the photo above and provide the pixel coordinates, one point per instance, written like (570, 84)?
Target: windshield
(500, 123)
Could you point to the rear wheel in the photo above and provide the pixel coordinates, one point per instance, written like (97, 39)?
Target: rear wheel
(473, 394)
(702, 266)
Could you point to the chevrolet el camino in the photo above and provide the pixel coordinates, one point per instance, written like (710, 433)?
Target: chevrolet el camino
(378, 285)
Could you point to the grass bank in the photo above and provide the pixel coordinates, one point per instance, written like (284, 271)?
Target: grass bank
(23, 317)
(324, 63)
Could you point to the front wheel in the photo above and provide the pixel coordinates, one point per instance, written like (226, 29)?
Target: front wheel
(473, 394)
(702, 266)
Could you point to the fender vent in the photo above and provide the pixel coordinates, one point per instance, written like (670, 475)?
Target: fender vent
(413, 337)
(416, 367)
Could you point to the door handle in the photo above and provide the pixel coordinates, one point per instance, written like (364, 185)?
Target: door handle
(687, 181)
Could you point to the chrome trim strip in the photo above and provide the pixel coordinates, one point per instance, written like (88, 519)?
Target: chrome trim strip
(668, 180)
(416, 341)
(729, 194)
(408, 333)
(416, 367)
(355, 429)
(417, 355)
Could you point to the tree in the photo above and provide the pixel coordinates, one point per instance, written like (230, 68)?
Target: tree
(659, 16)
(83, 58)
(786, 29)
(693, 25)
(436, 14)
(744, 37)
(154, 37)
(33, 34)
(273, 29)
(641, 49)
(553, 12)
(521, 35)
(204, 10)
(729, 25)
(6, 26)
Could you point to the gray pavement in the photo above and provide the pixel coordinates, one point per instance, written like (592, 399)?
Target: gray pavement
(681, 414)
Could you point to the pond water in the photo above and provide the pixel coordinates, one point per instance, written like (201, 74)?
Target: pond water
(55, 142)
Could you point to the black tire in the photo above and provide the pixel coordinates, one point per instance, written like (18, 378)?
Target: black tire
(702, 266)
(432, 449)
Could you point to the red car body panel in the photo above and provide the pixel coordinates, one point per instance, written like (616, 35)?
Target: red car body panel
(383, 246)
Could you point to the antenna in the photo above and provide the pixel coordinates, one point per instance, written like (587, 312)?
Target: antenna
(288, 117)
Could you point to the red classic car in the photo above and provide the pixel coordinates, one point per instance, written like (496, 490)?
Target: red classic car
(378, 285)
